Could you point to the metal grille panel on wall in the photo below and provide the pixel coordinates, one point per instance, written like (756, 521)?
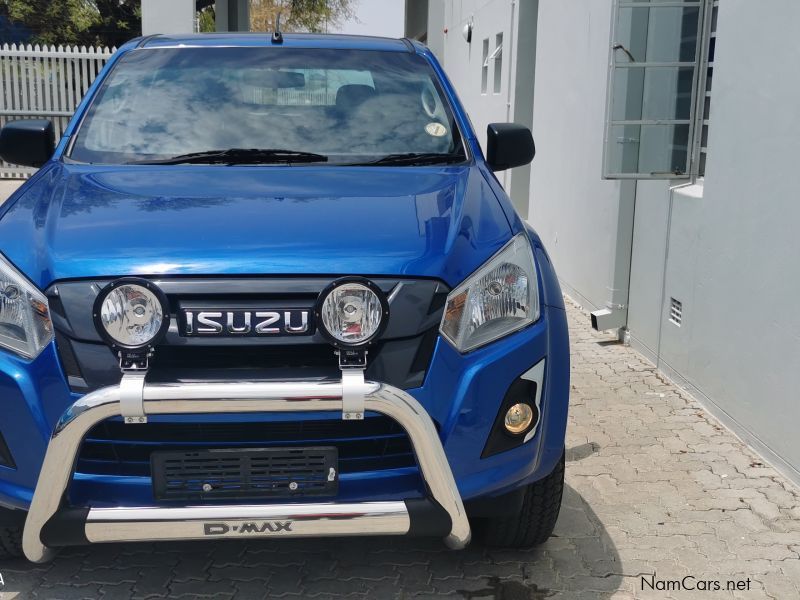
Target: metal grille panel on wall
(656, 90)
(44, 83)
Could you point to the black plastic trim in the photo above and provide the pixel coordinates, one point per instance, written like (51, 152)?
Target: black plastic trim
(66, 528)
(146, 39)
(503, 505)
(500, 439)
(12, 517)
(68, 359)
(427, 518)
(425, 351)
(6, 459)
(29, 142)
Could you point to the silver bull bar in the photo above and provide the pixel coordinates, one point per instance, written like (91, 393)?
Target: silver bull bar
(48, 525)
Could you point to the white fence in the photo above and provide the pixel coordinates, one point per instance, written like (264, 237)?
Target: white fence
(44, 83)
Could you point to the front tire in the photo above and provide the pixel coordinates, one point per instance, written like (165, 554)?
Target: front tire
(11, 523)
(10, 542)
(534, 523)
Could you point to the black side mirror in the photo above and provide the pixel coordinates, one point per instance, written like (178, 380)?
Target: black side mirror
(508, 145)
(28, 142)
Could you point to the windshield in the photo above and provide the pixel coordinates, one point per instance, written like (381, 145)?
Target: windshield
(347, 106)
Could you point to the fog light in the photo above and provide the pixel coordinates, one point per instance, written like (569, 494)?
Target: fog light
(518, 418)
(352, 312)
(131, 313)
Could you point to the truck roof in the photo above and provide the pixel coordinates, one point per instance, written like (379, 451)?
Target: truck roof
(292, 40)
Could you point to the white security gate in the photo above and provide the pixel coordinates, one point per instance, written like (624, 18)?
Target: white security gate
(44, 83)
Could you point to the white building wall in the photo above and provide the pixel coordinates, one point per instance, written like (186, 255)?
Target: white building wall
(573, 210)
(488, 95)
(435, 25)
(175, 16)
(743, 345)
(727, 249)
(649, 255)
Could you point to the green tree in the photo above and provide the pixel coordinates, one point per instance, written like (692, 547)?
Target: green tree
(206, 16)
(52, 22)
(300, 15)
(82, 22)
(117, 21)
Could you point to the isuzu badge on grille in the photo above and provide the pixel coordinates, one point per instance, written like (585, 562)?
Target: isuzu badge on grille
(239, 322)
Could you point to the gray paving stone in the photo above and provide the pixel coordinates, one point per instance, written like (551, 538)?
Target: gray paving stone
(250, 590)
(202, 589)
(68, 592)
(117, 591)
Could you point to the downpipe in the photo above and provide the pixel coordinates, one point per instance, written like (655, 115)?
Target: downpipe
(615, 313)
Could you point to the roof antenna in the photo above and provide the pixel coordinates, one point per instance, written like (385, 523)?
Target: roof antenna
(277, 36)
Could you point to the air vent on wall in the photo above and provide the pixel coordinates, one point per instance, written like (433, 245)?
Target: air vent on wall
(675, 311)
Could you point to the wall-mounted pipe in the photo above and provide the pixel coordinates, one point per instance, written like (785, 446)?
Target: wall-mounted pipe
(615, 313)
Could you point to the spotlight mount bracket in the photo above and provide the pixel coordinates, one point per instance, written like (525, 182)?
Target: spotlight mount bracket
(134, 365)
(352, 358)
(352, 364)
(135, 360)
(131, 396)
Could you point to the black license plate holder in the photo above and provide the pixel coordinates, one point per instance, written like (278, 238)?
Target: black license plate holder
(245, 473)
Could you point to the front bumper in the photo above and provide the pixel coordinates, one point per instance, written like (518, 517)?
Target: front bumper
(49, 525)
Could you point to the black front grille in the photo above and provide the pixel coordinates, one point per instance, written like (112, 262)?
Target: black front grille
(400, 358)
(213, 362)
(68, 360)
(114, 448)
(245, 474)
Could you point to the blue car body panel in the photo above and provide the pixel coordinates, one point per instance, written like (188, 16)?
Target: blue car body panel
(92, 221)
(74, 221)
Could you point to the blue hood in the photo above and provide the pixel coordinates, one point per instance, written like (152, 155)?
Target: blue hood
(85, 221)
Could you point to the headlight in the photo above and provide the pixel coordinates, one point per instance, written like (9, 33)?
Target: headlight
(25, 326)
(352, 311)
(131, 313)
(499, 298)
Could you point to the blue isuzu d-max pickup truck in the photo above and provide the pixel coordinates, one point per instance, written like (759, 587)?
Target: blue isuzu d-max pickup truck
(270, 287)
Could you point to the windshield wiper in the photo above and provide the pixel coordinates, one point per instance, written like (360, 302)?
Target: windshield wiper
(413, 158)
(238, 156)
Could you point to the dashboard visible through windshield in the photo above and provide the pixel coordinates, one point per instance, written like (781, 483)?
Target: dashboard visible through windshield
(267, 105)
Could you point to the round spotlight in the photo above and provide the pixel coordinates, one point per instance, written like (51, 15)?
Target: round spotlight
(518, 418)
(352, 312)
(131, 313)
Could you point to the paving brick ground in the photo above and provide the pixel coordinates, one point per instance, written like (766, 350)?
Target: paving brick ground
(655, 486)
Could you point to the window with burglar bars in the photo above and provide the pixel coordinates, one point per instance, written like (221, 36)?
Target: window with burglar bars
(701, 140)
(659, 89)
